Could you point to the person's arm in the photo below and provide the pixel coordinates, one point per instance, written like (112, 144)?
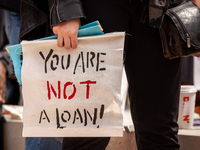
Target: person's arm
(2, 82)
(65, 21)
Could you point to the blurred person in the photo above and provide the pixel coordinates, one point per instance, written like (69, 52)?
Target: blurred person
(9, 87)
(9, 90)
(10, 24)
(12, 28)
(8, 82)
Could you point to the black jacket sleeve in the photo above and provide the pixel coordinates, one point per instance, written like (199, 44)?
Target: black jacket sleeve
(63, 10)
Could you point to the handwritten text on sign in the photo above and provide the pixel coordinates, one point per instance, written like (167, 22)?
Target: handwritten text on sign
(56, 61)
(72, 89)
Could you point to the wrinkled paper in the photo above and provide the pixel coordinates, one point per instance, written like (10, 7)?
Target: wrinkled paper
(196, 73)
(73, 93)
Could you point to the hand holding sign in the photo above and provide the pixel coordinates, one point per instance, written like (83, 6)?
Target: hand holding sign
(67, 33)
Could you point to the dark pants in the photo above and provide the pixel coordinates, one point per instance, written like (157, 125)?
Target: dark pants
(85, 143)
(154, 82)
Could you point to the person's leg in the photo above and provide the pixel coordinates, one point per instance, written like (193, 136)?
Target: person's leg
(85, 143)
(32, 143)
(154, 87)
(12, 25)
(42, 143)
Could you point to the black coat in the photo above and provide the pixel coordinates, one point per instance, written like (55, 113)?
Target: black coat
(12, 5)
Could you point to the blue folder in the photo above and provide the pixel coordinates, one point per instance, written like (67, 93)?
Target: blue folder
(15, 51)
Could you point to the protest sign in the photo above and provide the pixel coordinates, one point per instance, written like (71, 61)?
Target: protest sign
(73, 93)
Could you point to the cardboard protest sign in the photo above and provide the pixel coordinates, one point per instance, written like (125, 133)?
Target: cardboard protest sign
(73, 93)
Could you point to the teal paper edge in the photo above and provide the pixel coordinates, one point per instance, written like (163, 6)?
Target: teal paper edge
(15, 51)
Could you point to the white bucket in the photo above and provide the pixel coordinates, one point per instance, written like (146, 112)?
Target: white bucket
(186, 106)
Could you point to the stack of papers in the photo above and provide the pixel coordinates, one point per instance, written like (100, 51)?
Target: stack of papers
(12, 112)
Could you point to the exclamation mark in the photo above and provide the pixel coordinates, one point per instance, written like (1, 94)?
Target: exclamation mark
(101, 113)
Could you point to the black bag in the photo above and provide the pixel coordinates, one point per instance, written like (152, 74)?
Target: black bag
(180, 31)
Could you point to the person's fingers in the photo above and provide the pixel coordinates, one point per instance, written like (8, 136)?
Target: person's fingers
(55, 30)
(70, 38)
(67, 33)
(74, 41)
(67, 43)
(60, 41)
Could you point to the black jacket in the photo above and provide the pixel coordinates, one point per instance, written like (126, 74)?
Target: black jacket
(37, 17)
(12, 5)
(35, 14)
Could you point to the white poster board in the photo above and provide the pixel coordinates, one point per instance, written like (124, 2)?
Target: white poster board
(73, 93)
(197, 73)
